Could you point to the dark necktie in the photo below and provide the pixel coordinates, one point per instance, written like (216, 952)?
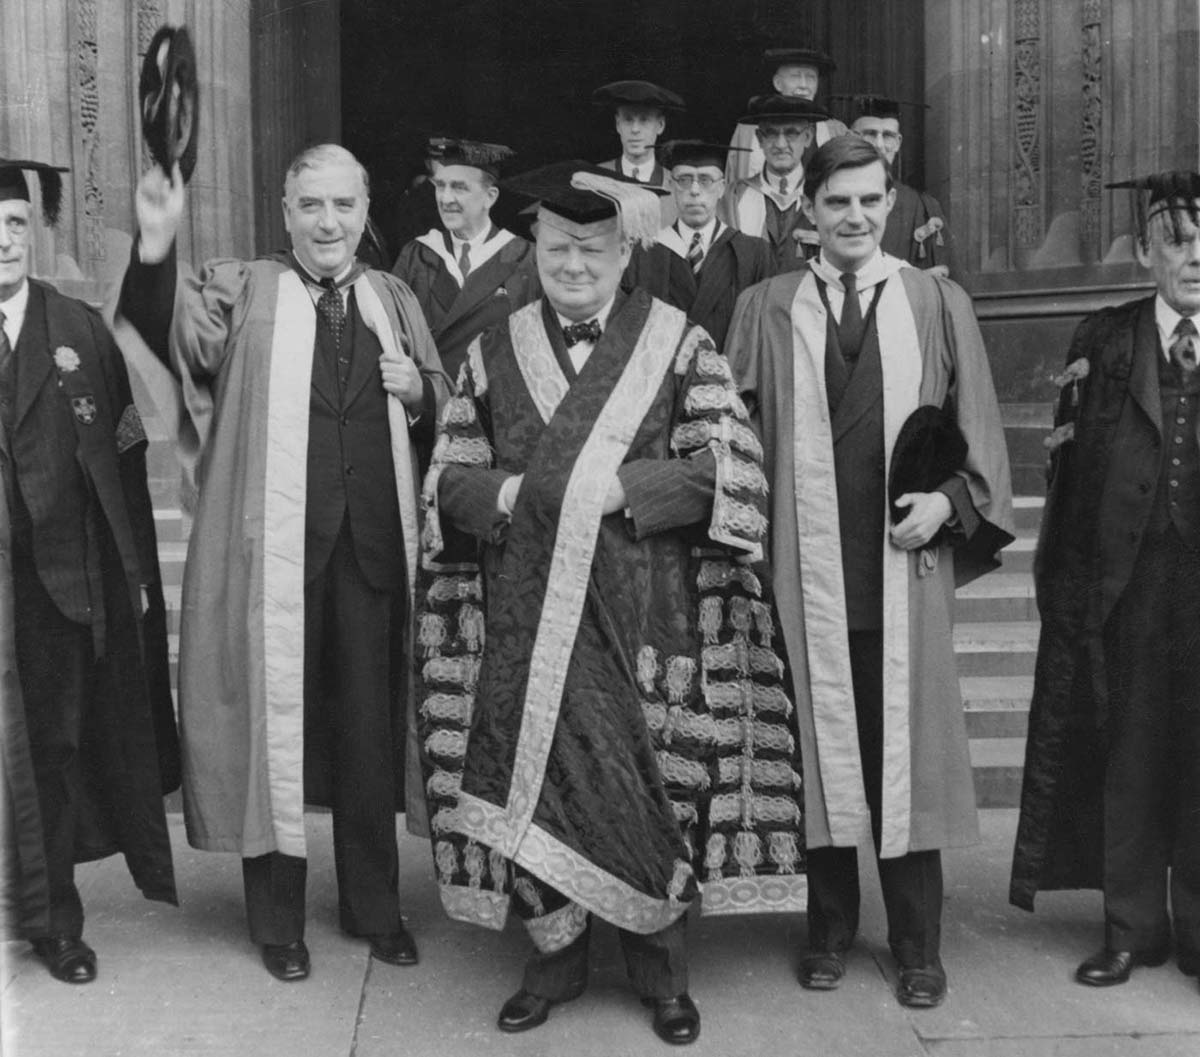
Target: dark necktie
(574, 333)
(464, 260)
(331, 310)
(695, 253)
(850, 326)
(636, 174)
(783, 185)
(8, 386)
(1183, 347)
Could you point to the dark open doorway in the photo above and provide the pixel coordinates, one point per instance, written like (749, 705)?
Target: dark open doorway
(522, 73)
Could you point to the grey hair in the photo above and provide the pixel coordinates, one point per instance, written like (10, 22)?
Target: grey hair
(323, 154)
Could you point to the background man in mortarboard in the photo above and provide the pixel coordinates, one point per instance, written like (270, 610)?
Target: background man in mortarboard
(578, 463)
(293, 672)
(473, 273)
(88, 726)
(699, 264)
(794, 71)
(1111, 796)
(831, 362)
(916, 227)
(640, 115)
(766, 205)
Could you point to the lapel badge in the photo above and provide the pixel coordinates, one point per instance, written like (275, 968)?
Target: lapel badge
(84, 408)
(66, 359)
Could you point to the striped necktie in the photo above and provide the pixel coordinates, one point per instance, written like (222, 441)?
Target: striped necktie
(8, 381)
(695, 253)
(464, 260)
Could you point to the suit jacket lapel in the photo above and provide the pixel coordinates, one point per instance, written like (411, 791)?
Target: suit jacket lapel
(32, 356)
(1143, 374)
(482, 285)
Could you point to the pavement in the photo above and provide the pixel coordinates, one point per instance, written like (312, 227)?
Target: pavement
(183, 981)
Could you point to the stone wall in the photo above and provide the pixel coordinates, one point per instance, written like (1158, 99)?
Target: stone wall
(1036, 104)
(68, 85)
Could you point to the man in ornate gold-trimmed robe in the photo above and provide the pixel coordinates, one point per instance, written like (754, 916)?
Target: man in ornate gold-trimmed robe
(596, 487)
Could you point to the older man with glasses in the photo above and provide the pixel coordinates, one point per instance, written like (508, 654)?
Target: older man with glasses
(699, 264)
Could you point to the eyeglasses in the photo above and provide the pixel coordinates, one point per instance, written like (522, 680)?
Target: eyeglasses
(705, 181)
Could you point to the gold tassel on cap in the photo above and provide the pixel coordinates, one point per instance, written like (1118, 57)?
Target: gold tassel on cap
(637, 208)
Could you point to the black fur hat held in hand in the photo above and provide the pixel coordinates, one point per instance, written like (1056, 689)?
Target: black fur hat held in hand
(169, 97)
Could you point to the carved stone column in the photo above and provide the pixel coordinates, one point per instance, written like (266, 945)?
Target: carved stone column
(68, 80)
(1036, 104)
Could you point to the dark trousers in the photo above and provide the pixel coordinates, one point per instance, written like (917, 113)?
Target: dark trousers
(54, 664)
(912, 883)
(1152, 778)
(656, 964)
(348, 647)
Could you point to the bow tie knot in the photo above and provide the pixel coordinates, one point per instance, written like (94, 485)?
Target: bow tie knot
(574, 333)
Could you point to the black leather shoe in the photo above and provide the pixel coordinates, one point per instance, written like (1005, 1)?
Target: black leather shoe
(1189, 963)
(822, 970)
(395, 948)
(922, 986)
(68, 958)
(286, 961)
(676, 1020)
(523, 1011)
(1108, 967)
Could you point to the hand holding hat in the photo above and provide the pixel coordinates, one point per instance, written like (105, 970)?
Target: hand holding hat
(169, 96)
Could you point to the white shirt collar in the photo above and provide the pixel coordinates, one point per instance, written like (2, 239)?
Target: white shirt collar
(769, 183)
(14, 312)
(874, 270)
(1165, 317)
(474, 243)
(645, 169)
(707, 233)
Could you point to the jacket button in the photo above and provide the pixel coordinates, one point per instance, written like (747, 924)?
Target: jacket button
(345, 420)
(1143, 488)
(349, 471)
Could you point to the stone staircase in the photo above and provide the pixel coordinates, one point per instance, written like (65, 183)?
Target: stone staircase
(995, 640)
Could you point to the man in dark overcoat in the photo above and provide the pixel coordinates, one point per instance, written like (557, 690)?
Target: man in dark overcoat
(90, 745)
(1111, 796)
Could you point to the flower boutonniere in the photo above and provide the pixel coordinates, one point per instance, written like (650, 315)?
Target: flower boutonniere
(66, 359)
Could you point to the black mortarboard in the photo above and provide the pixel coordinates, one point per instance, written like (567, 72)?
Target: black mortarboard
(583, 193)
(169, 97)
(636, 93)
(870, 104)
(877, 106)
(13, 185)
(1174, 191)
(695, 152)
(451, 150)
(776, 108)
(773, 58)
(929, 449)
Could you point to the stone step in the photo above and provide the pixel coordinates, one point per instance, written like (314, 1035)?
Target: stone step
(996, 648)
(168, 524)
(997, 764)
(996, 706)
(999, 596)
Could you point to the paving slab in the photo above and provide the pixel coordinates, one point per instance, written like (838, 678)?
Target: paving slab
(187, 981)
